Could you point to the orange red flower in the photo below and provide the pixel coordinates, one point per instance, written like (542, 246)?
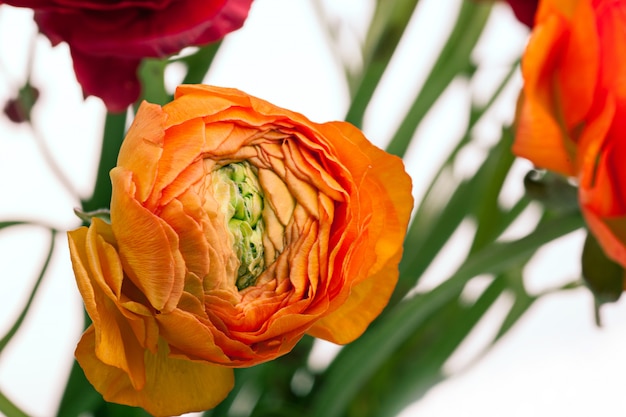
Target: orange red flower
(236, 228)
(572, 113)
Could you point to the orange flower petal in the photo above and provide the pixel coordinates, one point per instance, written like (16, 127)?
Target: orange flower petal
(367, 299)
(148, 246)
(540, 136)
(143, 146)
(173, 386)
(115, 343)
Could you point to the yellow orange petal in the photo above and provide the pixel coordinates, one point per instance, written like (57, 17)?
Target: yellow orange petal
(148, 247)
(367, 299)
(383, 173)
(142, 148)
(116, 343)
(173, 386)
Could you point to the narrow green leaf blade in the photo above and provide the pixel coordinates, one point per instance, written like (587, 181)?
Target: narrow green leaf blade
(356, 363)
(20, 319)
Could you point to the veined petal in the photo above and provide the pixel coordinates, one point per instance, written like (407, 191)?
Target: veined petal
(115, 341)
(142, 148)
(367, 299)
(173, 386)
(148, 247)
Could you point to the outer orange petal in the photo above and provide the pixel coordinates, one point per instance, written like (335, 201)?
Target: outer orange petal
(382, 173)
(143, 146)
(540, 136)
(173, 386)
(148, 247)
(578, 70)
(365, 303)
(195, 101)
(116, 343)
(388, 220)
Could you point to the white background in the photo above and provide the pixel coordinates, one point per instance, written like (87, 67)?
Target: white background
(554, 362)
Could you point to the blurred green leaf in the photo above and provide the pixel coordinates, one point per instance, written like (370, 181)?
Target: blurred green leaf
(489, 180)
(20, 319)
(114, 129)
(385, 31)
(6, 406)
(603, 276)
(102, 214)
(440, 214)
(152, 76)
(79, 396)
(11, 223)
(116, 410)
(266, 389)
(8, 409)
(454, 60)
(417, 364)
(432, 227)
(198, 63)
(357, 362)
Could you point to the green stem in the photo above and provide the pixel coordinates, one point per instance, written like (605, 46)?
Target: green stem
(199, 63)
(114, 127)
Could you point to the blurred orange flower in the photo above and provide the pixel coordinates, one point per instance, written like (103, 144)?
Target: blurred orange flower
(236, 228)
(572, 113)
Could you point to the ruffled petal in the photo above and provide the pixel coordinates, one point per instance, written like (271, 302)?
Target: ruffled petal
(173, 386)
(142, 148)
(367, 300)
(148, 246)
(115, 342)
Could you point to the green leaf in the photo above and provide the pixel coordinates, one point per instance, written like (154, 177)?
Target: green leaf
(390, 20)
(603, 276)
(9, 409)
(110, 409)
(432, 227)
(440, 214)
(357, 362)
(79, 396)
(417, 365)
(490, 179)
(114, 128)
(198, 64)
(152, 75)
(11, 223)
(86, 216)
(20, 319)
(453, 60)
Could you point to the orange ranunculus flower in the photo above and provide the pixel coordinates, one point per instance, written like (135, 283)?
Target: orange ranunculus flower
(572, 113)
(236, 228)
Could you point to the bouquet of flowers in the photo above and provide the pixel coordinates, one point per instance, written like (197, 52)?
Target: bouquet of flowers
(296, 208)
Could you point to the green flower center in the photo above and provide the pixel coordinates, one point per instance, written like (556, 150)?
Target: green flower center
(236, 187)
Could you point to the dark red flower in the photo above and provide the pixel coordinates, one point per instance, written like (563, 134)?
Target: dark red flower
(524, 10)
(108, 39)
